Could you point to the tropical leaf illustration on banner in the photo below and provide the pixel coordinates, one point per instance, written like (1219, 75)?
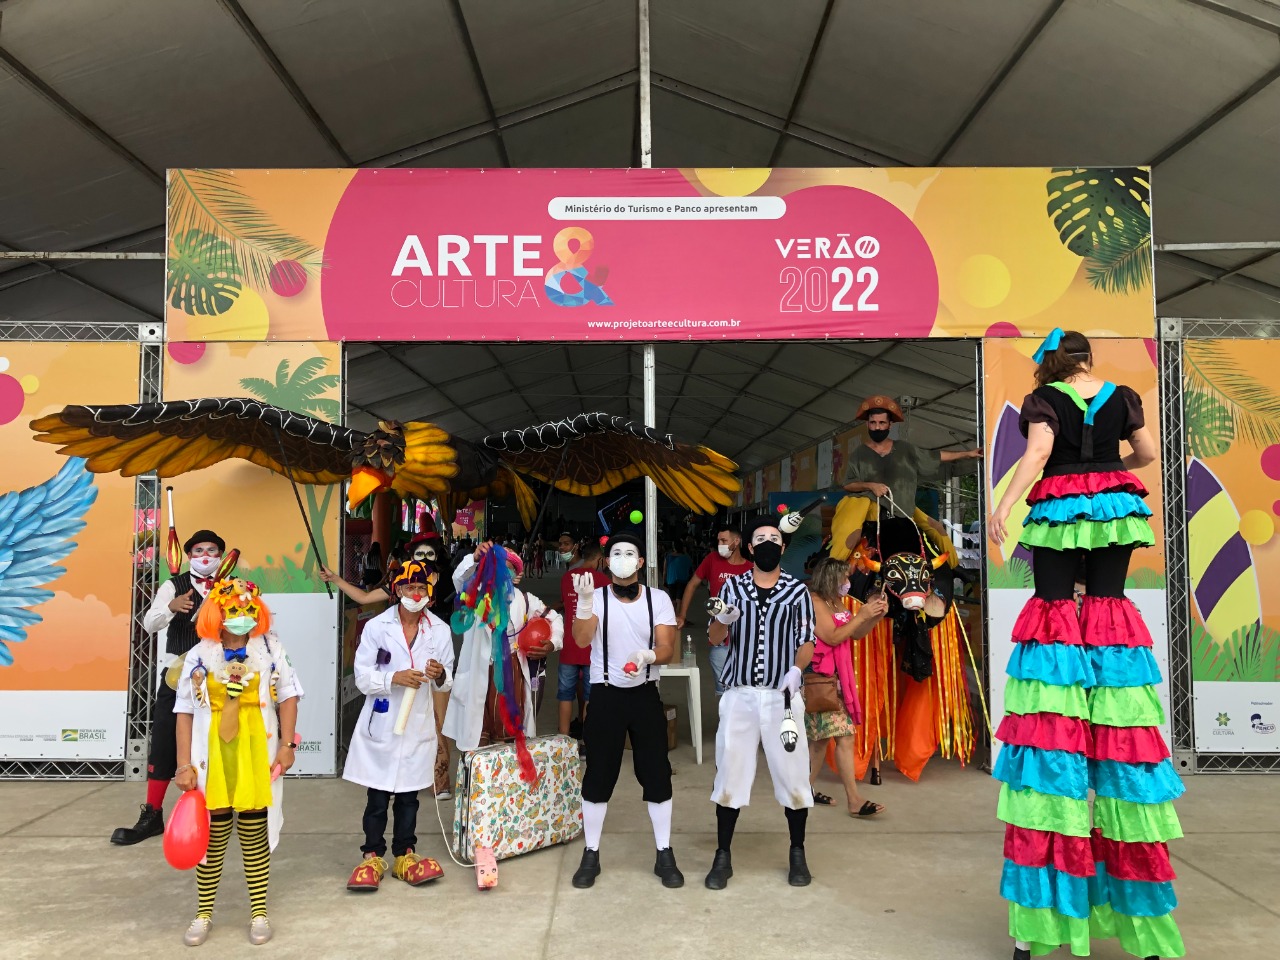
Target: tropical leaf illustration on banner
(1209, 424)
(1144, 579)
(203, 276)
(1016, 574)
(1252, 405)
(36, 525)
(254, 247)
(1103, 215)
(1250, 654)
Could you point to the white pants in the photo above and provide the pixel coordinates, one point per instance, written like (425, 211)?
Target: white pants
(751, 717)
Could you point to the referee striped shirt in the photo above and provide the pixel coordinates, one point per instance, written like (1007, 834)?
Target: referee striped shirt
(764, 640)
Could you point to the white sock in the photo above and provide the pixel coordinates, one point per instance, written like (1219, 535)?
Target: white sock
(1021, 945)
(593, 822)
(660, 814)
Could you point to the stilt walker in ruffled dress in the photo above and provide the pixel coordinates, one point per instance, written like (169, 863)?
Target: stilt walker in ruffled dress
(1081, 710)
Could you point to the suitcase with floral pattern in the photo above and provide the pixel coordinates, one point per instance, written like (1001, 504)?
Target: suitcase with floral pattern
(494, 808)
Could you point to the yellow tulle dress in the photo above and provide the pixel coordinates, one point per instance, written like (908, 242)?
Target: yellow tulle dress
(239, 774)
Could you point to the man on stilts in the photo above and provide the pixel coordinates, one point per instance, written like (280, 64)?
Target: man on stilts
(630, 629)
(765, 617)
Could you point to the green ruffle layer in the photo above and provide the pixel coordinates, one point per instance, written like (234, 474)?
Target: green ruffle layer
(1036, 696)
(1043, 811)
(1125, 707)
(1135, 822)
(1089, 534)
(1139, 936)
(1046, 929)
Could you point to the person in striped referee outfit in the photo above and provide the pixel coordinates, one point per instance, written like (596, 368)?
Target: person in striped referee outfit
(765, 616)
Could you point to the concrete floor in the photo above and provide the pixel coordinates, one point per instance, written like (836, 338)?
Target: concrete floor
(918, 882)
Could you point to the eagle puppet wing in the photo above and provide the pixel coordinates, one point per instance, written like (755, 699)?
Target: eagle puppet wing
(588, 454)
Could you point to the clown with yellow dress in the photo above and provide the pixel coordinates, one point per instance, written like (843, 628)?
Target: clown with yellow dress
(237, 707)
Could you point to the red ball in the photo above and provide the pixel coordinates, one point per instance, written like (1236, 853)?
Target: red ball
(629, 668)
(186, 836)
(535, 633)
(287, 278)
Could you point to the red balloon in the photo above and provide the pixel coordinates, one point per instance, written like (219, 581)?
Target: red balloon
(535, 633)
(186, 835)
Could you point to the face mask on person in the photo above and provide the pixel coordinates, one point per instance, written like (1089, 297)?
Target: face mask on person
(724, 550)
(425, 553)
(240, 625)
(414, 604)
(624, 562)
(566, 555)
(767, 555)
(204, 566)
(878, 436)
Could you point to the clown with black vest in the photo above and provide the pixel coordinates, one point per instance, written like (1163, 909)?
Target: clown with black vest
(766, 617)
(630, 630)
(174, 609)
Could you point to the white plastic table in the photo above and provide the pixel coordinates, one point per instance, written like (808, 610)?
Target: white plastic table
(693, 677)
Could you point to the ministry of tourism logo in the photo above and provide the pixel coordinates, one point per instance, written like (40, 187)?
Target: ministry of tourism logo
(77, 735)
(1224, 726)
(1255, 721)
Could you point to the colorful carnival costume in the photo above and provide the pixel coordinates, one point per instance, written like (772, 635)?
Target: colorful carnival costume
(1081, 709)
(233, 694)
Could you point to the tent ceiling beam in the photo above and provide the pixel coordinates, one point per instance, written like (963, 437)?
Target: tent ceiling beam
(768, 362)
(1220, 275)
(1213, 119)
(803, 85)
(500, 367)
(460, 18)
(998, 79)
(255, 37)
(1224, 278)
(859, 154)
(456, 407)
(50, 270)
(17, 275)
(684, 379)
(65, 107)
(1235, 10)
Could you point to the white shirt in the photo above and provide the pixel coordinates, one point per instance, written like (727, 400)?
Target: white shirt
(628, 632)
(158, 614)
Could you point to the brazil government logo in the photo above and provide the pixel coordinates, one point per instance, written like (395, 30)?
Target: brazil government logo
(1223, 720)
(78, 735)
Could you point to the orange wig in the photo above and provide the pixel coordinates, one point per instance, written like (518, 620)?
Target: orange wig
(232, 598)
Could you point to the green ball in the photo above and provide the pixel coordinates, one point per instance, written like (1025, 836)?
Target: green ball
(636, 516)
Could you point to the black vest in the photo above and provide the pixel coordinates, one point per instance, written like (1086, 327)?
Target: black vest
(182, 628)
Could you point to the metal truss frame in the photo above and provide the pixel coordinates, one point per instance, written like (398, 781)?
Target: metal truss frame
(1173, 332)
(150, 338)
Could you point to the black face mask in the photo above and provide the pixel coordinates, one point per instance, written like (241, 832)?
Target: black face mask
(767, 555)
(878, 436)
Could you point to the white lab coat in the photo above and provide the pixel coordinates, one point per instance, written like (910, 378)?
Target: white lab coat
(464, 719)
(266, 655)
(377, 757)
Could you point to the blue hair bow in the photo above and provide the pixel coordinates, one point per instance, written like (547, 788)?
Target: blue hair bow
(1050, 344)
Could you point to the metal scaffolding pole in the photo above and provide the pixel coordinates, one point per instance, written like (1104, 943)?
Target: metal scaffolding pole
(650, 357)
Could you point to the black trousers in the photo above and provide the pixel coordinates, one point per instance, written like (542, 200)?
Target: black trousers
(1103, 571)
(405, 808)
(616, 712)
(162, 753)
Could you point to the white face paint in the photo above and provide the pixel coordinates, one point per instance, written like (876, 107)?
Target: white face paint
(624, 561)
(766, 534)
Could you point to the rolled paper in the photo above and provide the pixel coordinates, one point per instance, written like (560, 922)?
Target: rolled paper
(405, 706)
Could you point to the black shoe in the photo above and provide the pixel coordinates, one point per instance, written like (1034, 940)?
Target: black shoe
(1019, 954)
(588, 869)
(575, 729)
(798, 873)
(721, 871)
(665, 867)
(150, 824)
(873, 777)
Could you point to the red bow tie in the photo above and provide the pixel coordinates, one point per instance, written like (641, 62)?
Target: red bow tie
(203, 581)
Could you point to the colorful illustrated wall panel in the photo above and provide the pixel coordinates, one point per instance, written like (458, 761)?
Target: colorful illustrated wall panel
(67, 548)
(309, 255)
(1231, 406)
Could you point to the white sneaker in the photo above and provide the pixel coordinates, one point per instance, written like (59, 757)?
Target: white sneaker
(259, 931)
(198, 932)
(444, 795)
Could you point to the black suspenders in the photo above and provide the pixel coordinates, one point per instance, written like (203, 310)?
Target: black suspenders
(604, 635)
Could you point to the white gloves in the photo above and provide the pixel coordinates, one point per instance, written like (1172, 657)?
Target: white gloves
(641, 658)
(584, 585)
(722, 611)
(793, 681)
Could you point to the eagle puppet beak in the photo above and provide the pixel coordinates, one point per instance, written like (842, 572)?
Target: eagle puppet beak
(364, 481)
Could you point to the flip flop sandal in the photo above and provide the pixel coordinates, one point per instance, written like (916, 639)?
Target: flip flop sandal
(822, 800)
(868, 809)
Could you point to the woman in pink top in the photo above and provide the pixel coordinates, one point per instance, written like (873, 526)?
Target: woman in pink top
(835, 626)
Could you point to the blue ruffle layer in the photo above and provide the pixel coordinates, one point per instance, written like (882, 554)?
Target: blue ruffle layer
(1054, 772)
(1062, 664)
(1040, 887)
(1100, 507)
(1136, 782)
(1133, 898)
(1121, 666)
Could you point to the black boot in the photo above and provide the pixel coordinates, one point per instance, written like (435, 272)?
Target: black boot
(588, 869)
(665, 867)
(721, 871)
(150, 824)
(798, 874)
(1019, 954)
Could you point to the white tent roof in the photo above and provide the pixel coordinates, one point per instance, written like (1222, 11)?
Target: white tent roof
(98, 97)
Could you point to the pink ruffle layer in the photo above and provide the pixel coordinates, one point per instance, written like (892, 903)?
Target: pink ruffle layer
(1128, 744)
(1048, 731)
(1047, 621)
(1086, 484)
(1111, 622)
(1039, 848)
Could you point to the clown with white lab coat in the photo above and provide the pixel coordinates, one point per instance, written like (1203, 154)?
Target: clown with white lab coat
(395, 760)
(464, 723)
